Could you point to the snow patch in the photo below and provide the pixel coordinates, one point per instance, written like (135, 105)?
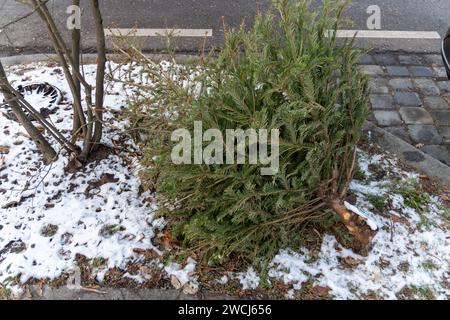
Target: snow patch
(249, 280)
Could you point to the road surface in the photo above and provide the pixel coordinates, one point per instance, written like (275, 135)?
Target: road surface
(396, 15)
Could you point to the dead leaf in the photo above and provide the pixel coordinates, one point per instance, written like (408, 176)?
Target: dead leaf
(104, 179)
(189, 289)
(175, 282)
(321, 291)
(147, 254)
(11, 204)
(4, 149)
(168, 242)
(144, 270)
(350, 262)
(74, 165)
(384, 263)
(12, 247)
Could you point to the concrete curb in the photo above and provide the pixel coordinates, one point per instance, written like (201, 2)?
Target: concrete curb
(87, 58)
(408, 154)
(65, 293)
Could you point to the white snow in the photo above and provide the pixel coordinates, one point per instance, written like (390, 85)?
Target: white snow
(223, 280)
(299, 270)
(248, 279)
(372, 224)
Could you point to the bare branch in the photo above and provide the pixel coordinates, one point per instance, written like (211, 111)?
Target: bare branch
(76, 38)
(101, 64)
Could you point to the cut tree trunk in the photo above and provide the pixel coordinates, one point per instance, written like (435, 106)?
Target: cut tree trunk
(356, 225)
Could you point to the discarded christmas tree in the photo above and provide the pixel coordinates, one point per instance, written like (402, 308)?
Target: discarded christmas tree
(287, 73)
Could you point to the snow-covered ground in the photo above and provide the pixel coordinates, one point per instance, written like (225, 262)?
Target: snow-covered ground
(405, 254)
(48, 216)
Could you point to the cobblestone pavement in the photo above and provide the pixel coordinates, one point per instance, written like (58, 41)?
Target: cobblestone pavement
(411, 99)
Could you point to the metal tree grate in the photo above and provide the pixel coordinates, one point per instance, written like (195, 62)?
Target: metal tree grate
(42, 96)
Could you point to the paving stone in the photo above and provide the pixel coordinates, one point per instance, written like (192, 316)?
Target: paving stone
(427, 86)
(436, 102)
(399, 132)
(386, 59)
(410, 60)
(435, 59)
(401, 84)
(442, 117)
(378, 85)
(413, 156)
(373, 70)
(445, 133)
(444, 86)
(425, 134)
(397, 71)
(438, 152)
(421, 71)
(407, 99)
(440, 72)
(415, 115)
(381, 101)
(367, 59)
(387, 118)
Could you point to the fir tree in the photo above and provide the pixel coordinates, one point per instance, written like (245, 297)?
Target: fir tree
(287, 72)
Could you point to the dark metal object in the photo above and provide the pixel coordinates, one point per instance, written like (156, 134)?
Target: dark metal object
(49, 93)
(446, 52)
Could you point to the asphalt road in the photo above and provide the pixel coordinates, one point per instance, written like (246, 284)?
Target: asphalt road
(29, 35)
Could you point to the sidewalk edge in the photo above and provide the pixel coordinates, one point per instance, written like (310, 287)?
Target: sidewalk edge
(87, 58)
(408, 154)
(65, 293)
